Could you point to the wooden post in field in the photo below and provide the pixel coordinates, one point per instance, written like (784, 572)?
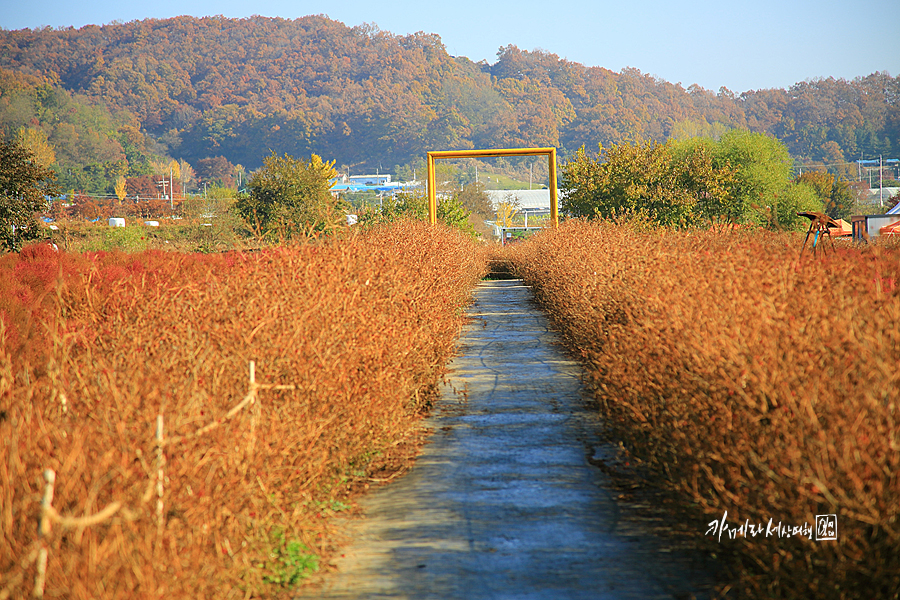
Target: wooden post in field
(160, 462)
(44, 531)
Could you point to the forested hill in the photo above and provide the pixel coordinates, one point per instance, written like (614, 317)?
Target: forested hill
(364, 97)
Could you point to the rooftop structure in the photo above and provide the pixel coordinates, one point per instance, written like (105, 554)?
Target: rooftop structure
(370, 179)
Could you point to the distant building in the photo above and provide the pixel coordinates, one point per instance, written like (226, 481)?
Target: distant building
(533, 201)
(881, 195)
(381, 184)
(528, 203)
(373, 180)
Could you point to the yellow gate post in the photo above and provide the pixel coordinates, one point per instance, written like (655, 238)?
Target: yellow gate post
(550, 153)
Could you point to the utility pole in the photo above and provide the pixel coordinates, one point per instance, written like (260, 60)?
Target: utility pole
(162, 184)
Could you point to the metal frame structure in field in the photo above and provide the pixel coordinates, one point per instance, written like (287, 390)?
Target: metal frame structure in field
(550, 153)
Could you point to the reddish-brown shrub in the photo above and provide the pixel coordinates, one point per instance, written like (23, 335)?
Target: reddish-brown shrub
(753, 380)
(358, 330)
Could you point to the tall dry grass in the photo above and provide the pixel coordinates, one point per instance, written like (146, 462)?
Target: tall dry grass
(750, 380)
(95, 347)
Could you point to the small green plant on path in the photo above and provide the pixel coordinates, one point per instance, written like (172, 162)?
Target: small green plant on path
(289, 562)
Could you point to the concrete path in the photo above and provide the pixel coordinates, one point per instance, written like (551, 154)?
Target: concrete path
(503, 502)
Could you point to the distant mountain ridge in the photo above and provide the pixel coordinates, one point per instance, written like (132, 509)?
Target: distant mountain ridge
(204, 87)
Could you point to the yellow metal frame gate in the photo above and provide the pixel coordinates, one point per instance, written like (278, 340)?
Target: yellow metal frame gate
(550, 153)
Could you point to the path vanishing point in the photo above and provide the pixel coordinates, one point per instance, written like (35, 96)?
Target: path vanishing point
(503, 503)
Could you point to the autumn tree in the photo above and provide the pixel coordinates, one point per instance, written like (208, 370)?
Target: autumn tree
(186, 174)
(143, 187)
(842, 203)
(687, 129)
(120, 189)
(216, 171)
(833, 192)
(85, 207)
(241, 173)
(507, 211)
(36, 142)
(475, 199)
(292, 196)
(206, 87)
(708, 181)
(174, 173)
(25, 185)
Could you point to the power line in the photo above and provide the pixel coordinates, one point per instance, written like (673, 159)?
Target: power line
(855, 162)
(107, 197)
(876, 164)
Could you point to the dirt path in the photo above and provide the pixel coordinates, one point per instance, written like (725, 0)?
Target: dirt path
(503, 502)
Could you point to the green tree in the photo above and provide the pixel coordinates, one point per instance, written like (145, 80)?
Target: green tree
(707, 181)
(411, 171)
(819, 181)
(25, 185)
(451, 212)
(842, 203)
(762, 172)
(670, 184)
(781, 211)
(292, 196)
(414, 205)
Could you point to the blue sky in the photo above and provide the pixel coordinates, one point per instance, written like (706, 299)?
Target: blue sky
(742, 46)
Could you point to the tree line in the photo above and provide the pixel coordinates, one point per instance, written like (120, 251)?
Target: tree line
(110, 100)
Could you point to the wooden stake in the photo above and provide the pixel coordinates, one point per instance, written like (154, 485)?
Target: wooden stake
(160, 462)
(44, 531)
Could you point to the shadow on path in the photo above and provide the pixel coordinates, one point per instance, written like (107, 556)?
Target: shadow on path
(503, 502)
